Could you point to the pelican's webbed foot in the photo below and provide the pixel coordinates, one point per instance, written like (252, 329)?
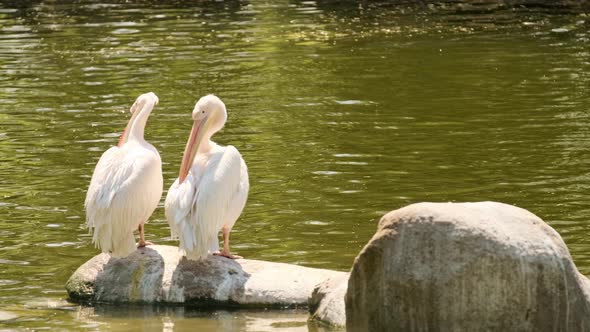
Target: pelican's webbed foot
(144, 243)
(227, 254)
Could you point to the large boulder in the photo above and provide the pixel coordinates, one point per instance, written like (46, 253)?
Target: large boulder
(161, 274)
(466, 267)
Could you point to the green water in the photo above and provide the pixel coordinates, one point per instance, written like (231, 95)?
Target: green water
(342, 113)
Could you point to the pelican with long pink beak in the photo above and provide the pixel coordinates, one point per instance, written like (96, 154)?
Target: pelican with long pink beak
(212, 186)
(126, 186)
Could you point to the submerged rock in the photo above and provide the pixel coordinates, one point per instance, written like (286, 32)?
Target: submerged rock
(161, 274)
(466, 267)
(326, 303)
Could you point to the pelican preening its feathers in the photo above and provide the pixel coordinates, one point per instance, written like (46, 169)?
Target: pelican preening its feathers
(126, 186)
(208, 196)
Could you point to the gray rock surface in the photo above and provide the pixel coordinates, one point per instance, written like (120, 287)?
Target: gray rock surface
(326, 303)
(466, 267)
(160, 274)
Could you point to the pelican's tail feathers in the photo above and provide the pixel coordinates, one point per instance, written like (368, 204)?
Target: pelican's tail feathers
(123, 244)
(194, 242)
(116, 242)
(213, 244)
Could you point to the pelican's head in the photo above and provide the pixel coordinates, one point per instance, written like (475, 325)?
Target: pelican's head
(147, 99)
(209, 116)
(210, 109)
(146, 102)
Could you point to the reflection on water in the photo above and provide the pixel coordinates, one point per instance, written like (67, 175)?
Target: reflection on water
(342, 113)
(183, 319)
(156, 318)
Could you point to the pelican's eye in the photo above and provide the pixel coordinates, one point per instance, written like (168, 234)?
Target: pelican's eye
(203, 112)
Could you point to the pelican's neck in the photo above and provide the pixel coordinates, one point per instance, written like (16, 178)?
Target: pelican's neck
(206, 146)
(217, 122)
(137, 127)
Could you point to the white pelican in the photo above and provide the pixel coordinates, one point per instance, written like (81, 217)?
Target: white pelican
(126, 186)
(212, 186)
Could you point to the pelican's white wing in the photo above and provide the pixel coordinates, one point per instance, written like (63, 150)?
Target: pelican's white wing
(178, 204)
(124, 191)
(213, 195)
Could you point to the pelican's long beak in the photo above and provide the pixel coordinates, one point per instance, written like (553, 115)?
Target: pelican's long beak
(125, 135)
(192, 146)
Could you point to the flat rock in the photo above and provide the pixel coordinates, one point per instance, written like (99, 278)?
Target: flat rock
(161, 274)
(326, 304)
(466, 267)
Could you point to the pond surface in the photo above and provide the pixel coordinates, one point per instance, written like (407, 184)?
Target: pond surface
(342, 114)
